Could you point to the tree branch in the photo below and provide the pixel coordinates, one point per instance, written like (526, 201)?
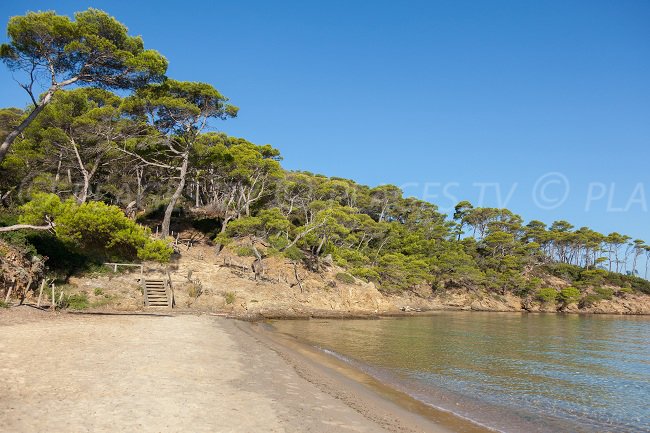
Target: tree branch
(25, 226)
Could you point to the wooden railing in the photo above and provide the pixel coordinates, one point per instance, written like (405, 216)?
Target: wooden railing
(115, 265)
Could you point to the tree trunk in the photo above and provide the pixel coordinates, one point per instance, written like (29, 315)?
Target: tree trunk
(139, 171)
(6, 144)
(177, 194)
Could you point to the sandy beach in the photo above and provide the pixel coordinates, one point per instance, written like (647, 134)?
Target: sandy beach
(173, 373)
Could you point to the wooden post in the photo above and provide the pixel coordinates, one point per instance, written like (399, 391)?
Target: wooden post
(53, 306)
(40, 293)
(144, 292)
(115, 268)
(9, 292)
(169, 289)
(24, 294)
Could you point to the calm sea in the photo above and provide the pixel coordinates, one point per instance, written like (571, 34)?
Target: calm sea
(509, 372)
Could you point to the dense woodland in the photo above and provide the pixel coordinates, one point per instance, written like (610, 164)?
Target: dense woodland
(110, 156)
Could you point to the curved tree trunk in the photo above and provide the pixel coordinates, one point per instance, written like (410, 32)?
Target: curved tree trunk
(177, 194)
(4, 148)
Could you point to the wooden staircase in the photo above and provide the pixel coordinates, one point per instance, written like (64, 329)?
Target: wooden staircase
(157, 293)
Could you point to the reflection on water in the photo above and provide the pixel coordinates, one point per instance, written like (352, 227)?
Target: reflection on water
(513, 372)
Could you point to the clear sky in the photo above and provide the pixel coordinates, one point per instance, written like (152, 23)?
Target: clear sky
(542, 107)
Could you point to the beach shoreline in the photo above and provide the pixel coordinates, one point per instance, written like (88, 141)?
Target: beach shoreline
(377, 401)
(160, 371)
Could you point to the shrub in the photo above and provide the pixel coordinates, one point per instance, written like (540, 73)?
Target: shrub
(547, 294)
(245, 252)
(604, 292)
(349, 257)
(194, 290)
(105, 300)
(345, 278)
(638, 283)
(570, 295)
(626, 290)
(593, 276)
(156, 250)
(222, 239)
(564, 270)
(590, 300)
(96, 228)
(530, 286)
(3, 304)
(229, 297)
(98, 292)
(77, 301)
(366, 274)
(294, 253)
(278, 242)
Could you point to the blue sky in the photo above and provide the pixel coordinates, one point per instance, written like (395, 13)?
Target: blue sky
(546, 104)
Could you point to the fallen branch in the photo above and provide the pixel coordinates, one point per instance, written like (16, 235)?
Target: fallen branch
(25, 226)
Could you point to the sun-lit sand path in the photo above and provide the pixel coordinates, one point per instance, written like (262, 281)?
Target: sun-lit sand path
(108, 373)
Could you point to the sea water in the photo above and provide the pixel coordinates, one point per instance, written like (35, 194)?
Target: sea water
(507, 371)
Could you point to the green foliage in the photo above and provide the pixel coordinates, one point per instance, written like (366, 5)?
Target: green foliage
(149, 152)
(345, 278)
(76, 301)
(593, 277)
(570, 295)
(155, 250)
(98, 292)
(636, 283)
(102, 301)
(565, 271)
(604, 292)
(3, 304)
(223, 239)
(278, 243)
(350, 258)
(531, 286)
(546, 295)
(96, 228)
(245, 251)
(193, 291)
(20, 240)
(95, 49)
(590, 300)
(453, 267)
(294, 253)
(398, 272)
(366, 274)
(43, 206)
(229, 297)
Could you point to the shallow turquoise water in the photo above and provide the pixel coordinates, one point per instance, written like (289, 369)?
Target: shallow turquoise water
(510, 372)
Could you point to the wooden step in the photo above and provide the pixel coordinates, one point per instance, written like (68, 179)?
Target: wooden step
(156, 293)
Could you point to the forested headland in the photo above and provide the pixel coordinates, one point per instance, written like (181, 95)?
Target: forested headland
(111, 159)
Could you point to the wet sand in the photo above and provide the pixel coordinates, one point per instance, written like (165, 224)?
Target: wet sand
(162, 373)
